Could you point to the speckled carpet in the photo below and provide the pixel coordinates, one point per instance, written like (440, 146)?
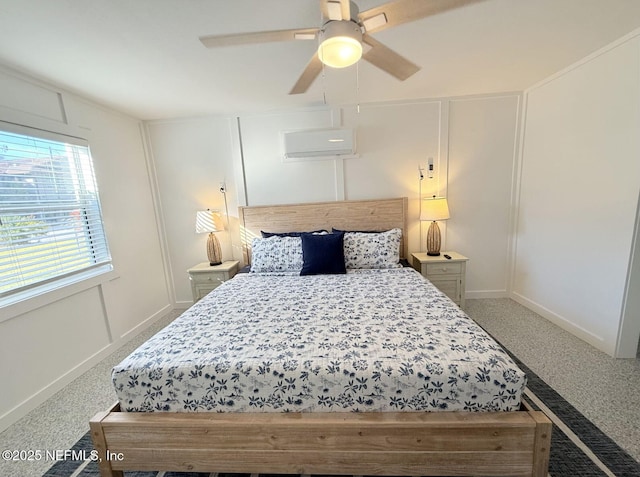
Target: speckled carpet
(578, 447)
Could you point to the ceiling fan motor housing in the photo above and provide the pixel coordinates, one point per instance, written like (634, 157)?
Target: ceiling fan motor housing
(340, 43)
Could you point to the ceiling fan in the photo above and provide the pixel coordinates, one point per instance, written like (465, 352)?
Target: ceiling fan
(344, 36)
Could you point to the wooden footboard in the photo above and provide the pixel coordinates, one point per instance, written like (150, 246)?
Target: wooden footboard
(447, 443)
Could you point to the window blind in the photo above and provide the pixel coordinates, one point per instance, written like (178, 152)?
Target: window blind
(50, 218)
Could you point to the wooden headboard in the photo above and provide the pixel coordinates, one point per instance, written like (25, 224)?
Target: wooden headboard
(368, 215)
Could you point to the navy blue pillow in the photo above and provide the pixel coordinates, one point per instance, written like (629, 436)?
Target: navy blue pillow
(322, 254)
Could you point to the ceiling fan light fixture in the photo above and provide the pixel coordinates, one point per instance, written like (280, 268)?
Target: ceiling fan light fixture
(340, 44)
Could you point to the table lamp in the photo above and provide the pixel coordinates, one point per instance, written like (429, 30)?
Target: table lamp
(211, 222)
(433, 209)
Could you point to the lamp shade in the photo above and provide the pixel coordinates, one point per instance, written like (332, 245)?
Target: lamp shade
(340, 44)
(208, 221)
(435, 208)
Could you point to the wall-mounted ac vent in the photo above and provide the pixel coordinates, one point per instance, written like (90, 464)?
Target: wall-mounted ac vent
(318, 143)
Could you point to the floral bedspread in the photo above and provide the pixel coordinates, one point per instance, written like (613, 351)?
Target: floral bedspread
(370, 340)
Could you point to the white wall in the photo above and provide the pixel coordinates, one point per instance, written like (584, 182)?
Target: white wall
(271, 181)
(480, 188)
(472, 141)
(191, 158)
(393, 140)
(47, 341)
(579, 195)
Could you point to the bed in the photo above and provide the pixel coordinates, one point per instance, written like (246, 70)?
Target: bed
(274, 369)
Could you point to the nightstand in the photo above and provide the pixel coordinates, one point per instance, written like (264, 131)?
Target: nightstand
(204, 277)
(447, 275)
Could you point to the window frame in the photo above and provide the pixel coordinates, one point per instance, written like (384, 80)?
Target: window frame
(65, 282)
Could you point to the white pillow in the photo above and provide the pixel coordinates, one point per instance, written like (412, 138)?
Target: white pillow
(372, 249)
(276, 254)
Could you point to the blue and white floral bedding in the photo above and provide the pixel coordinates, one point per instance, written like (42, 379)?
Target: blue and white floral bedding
(367, 340)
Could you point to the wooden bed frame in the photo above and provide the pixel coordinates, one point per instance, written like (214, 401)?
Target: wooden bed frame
(411, 443)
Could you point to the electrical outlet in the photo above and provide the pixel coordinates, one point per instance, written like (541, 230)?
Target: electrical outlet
(223, 188)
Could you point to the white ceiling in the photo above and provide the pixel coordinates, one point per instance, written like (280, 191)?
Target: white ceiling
(143, 57)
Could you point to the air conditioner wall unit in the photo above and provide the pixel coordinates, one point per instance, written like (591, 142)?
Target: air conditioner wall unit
(319, 143)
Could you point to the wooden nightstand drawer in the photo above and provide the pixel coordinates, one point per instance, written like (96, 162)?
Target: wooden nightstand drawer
(209, 278)
(446, 274)
(204, 277)
(454, 268)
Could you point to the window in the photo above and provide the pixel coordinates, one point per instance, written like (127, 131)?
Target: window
(50, 219)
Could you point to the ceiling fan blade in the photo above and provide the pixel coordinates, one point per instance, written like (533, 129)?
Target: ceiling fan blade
(336, 9)
(388, 60)
(310, 73)
(215, 41)
(402, 11)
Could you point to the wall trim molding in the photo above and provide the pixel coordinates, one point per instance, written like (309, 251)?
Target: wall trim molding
(628, 330)
(40, 396)
(183, 305)
(605, 49)
(161, 230)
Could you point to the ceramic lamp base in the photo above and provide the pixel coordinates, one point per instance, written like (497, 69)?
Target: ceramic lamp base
(433, 239)
(214, 253)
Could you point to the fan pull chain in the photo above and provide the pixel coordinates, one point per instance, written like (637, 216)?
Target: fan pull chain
(324, 87)
(358, 87)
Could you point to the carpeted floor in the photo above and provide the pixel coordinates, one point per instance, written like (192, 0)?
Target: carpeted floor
(579, 448)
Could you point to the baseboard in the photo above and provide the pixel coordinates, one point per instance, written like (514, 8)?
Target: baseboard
(470, 295)
(143, 325)
(564, 323)
(182, 305)
(32, 402)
